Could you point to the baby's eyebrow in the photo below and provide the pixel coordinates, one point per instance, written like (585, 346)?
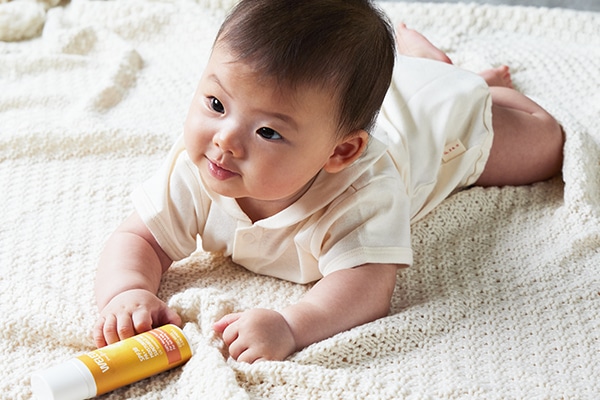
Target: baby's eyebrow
(287, 119)
(216, 80)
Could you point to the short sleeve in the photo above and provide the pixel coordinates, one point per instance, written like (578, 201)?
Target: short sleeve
(369, 223)
(172, 205)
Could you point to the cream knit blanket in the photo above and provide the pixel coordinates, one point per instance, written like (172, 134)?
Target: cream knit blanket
(503, 300)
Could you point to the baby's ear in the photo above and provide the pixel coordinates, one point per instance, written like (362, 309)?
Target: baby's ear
(347, 151)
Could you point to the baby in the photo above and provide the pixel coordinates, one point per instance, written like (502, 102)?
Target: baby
(287, 164)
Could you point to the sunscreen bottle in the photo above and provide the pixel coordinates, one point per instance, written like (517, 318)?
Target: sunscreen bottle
(113, 366)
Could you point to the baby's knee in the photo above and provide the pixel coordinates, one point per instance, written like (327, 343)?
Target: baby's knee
(555, 133)
(552, 126)
(551, 149)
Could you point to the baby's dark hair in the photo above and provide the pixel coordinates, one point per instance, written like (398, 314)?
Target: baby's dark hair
(346, 46)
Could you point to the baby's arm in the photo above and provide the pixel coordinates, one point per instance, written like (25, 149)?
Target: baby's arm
(338, 302)
(127, 280)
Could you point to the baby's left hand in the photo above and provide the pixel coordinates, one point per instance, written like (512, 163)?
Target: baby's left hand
(256, 334)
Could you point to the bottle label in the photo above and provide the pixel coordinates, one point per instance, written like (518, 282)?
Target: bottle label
(136, 358)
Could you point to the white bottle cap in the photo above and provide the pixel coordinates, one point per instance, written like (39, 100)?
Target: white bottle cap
(68, 381)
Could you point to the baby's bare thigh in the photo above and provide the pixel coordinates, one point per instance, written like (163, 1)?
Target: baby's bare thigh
(526, 148)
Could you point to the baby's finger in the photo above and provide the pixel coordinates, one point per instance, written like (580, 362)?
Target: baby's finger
(231, 334)
(110, 329)
(224, 322)
(125, 326)
(141, 320)
(171, 317)
(248, 356)
(98, 333)
(237, 348)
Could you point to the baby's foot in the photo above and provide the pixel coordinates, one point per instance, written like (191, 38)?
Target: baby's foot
(411, 43)
(499, 76)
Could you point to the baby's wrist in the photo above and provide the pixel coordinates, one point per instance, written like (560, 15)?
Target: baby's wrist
(296, 321)
(126, 291)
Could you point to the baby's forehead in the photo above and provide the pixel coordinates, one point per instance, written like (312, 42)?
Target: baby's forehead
(288, 81)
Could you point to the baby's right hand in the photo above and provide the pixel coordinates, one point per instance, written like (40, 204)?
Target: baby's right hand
(129, 313)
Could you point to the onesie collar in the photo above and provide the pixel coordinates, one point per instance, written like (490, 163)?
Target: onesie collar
(326, 188)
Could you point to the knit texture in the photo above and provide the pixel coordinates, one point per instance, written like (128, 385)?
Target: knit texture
(503, 301)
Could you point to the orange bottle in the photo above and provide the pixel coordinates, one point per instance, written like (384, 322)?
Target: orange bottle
(113, 366)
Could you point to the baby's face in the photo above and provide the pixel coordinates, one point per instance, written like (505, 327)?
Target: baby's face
(253, 141)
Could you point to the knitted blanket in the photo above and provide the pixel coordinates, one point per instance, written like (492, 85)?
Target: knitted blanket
(502, 302)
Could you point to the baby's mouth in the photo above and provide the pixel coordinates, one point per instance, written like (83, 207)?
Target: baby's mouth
(218, 171)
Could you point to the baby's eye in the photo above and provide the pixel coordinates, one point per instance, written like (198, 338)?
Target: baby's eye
(269, 134)
(216, 105)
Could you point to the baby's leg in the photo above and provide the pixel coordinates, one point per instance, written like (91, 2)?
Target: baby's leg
(528, 142)
(411, 43)
(499, 76)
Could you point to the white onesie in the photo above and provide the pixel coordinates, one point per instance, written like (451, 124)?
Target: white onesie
(436, 123)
